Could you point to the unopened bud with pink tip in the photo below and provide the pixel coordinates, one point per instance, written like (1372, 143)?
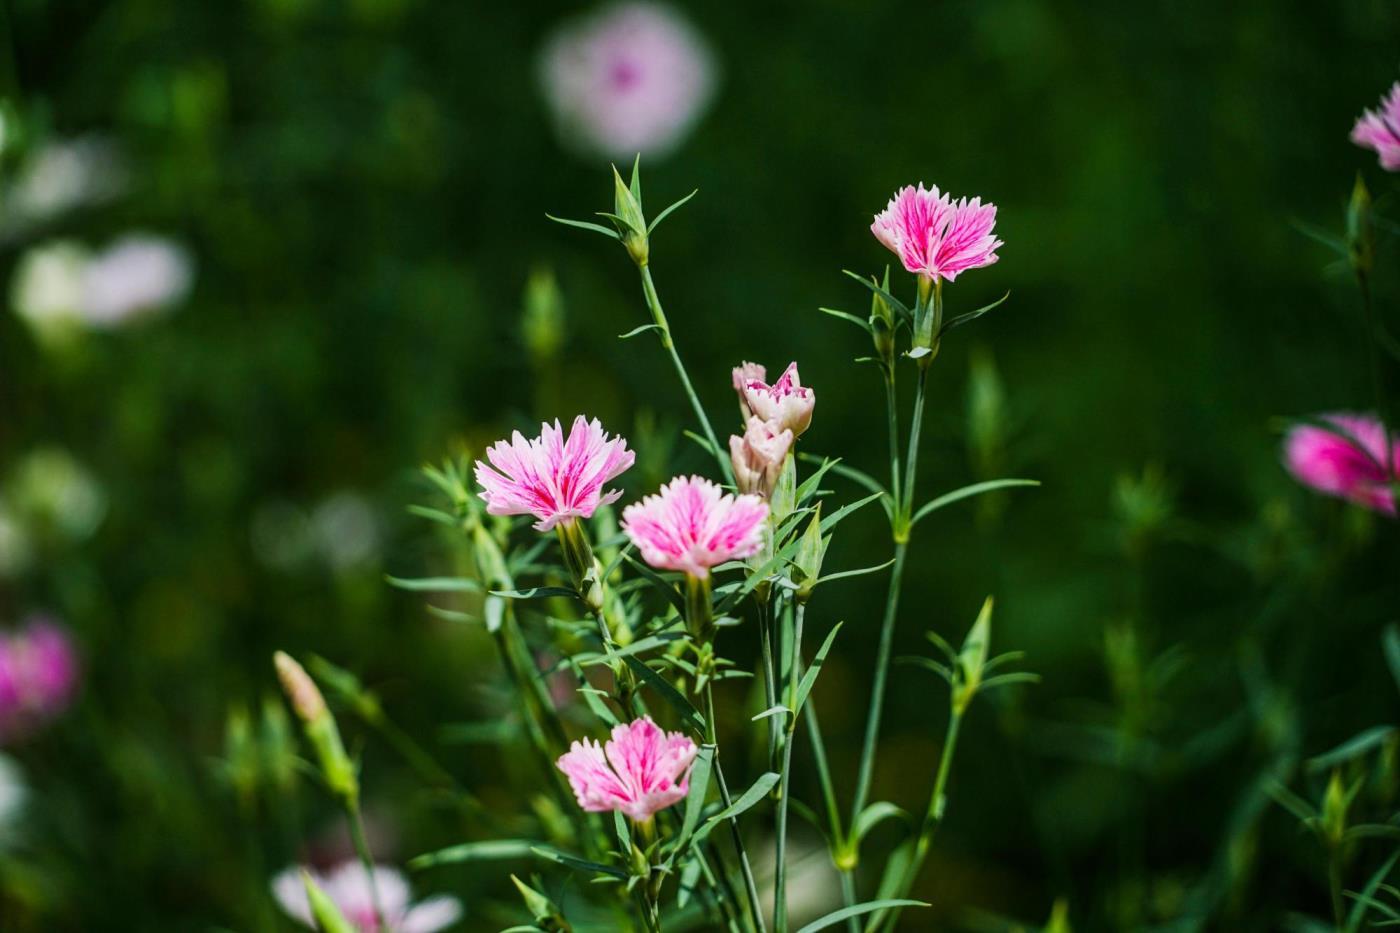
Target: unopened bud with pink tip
(745, 373)
(758, 455)
(787, 403)
(320, 728)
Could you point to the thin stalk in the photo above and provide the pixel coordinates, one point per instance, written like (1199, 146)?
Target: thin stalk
(790, 724)
(1334, 885)
(750, 886)
(659, 317)
(933, 816)
(892, 413)
(912, 462)
(877, 692)
(848, 897)
(770, 685)
(357, 834)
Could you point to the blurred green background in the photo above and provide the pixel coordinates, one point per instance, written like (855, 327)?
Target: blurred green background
(363, 185)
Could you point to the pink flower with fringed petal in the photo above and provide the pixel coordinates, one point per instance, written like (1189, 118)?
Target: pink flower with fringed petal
(552, 478)
(692, 526)
(640, 771)
(937, 237)
(1350, 463)
(786, 404)
(1379, 129)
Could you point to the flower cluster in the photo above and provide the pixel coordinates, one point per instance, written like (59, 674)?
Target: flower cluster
(38, 676)
(775, 416)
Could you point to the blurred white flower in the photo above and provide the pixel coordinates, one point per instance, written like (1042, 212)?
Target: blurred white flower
(137, 274)
(348, 887)
(47, 289)
(14, 794)
(51, 491)
(345, 530)
(60, 287)
(631, 78)
(60, 177)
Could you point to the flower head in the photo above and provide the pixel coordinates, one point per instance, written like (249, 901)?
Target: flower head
(935, 236)
(348, 886)
(552, 478)
(1379, 129)
(786, 403)
(743, 374)
(632, 78)
(38, 676)
(1349, 463)
(639, 771)
(758, 456)
(692, 526)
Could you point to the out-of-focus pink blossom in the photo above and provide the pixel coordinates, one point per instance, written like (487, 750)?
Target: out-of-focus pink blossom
(137, 274)
(551, 478)
(38, 676)
(1379, 129)
(743, 374)
(639, 771)
(348, 887)
(758, 456)
(691, 525)
(935, 236)
(786, 403)
(1350, 463)
(631, 78)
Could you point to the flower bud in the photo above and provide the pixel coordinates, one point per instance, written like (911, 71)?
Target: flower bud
(544, 911)
(1361, 234)
(758, 456)
(745, 373)
(973, 658)
(628, 218)
(786, 402)
(301, 690)
(882, 324)
(809, 557)
(583, 568)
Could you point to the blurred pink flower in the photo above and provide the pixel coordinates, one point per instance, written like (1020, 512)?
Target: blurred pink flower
(1350, 463)
(136, 274)
(691, 526)
(786, 403)
(743, 374)
(631, 78)
(1379, 129)
(550, 478)
(758, 456)
(935, 236)
(639, 771)
(38, 676)
(348, 887)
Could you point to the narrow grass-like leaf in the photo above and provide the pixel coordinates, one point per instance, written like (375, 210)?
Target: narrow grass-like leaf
(770, 711)
(845, 316)
(573, 861)
(640, 330)
(1291, 801)
(494, 850)
(585, 225)
(1357, 745)
(669, 693)
(536, 592)
(962, 319)
(756, 792)
(1365, 898)
(853, 573)
(895, 303)
(436, 515)
(874, 815)
(656, 222)
(966, 492)
(856, 910)
(809, 676)
(436, 584)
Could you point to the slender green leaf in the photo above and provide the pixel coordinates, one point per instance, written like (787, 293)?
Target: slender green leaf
(874, 815)
(573, 861)
(669, 693)
(962, 319)
(966, 492)
(845, 913)
(494, 850)
(436, 584)
(845, 316)
(1353, 747)
(895, 303)
(809, 676)
(667, 212)
(854, 573)
(640, 330)
(756, 792)
(536, 592)
(585, 225)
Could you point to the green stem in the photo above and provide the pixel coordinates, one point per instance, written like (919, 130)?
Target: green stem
(877, 692)
(770, 686)
(357, 834)
(892, 413)
(750, 886)
(780, 864)
(1334, 884)
(912, 463)
(933, 817)
(659, 317)
(848, 897)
